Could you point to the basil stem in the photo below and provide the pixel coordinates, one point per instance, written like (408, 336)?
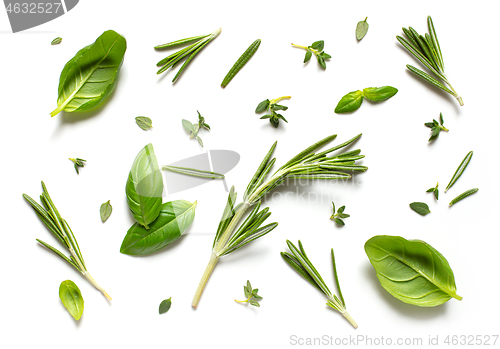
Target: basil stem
(231, 235)
(50, 216)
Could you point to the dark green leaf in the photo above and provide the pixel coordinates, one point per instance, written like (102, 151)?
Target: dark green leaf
(420, 207)
(254, 292)
(412, 270)
(173, 220)
(165, 305)
(91, 75)
(435, 122)
(361, 29)
(274, 121)
(71, 298)
(350, 102)
(321, 62)
(378, 94)
(144, 122)
(333, 207)
(436, 194)
(318, 45)
(441, 118)
(325, 55)
(430, 190)
(435, 131)
(266, 116)
(339, 221)
(429, 124)
(344, 215)
(279, 107)
(144, 187)
(257, 296)
(433, 137)
(105, 211)
(262, 106)
(341, 209)
(308, 56)
(56, 41)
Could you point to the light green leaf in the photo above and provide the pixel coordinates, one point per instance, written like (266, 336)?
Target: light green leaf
(379, 94)
(106, 210)
(71, 298)
(144, 122)
(361, 29)
(56, 41)
(350, 102)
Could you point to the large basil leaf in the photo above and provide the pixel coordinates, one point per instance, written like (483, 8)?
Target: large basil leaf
(72, 299)
(90, 76)
(379, 94)
(144, 187)
(412, 270)
(175, 217)
(350, 102)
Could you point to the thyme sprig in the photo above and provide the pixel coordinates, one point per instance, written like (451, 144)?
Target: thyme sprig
(337, 217)
(315, 48)
(78, 163)
(50, 216)
(305, 165)
(272, 106)
(299, 261)
(251, 294)
(428, 51)
(436, 127)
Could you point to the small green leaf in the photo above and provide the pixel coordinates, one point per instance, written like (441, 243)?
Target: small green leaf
(436, 194)
(435, 131)
(71, 298)
(262, 106)
(318, 45)
(254, 292)
(429, 124)
(333, 207)
(308, 56)
(344, 215)
(56, 41)
(279, 107)
(257, 296)
(274, 121)
(379, 94)
(144, 122)
(266, 116)
(78, 163)
(321, 62)
(325, 55)
(441, 118)
(339, 221)
(187, 125)
(350, 102)
(254, 303)
(430, 190)
(341, 209)
(105, 211)
(249, 286)
(246, 291)
(361, 29)
(435, 122)
(420, 207)
(200, 141)
(165, 305)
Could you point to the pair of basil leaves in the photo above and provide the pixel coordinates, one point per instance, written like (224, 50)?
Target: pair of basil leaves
(157, 224)
(352, 101)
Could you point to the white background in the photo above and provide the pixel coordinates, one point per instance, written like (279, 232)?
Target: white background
(402, 165)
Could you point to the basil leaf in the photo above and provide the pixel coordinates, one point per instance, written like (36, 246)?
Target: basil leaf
(308, 56)
(262, 106)
(144, 122)
(361, 29)
(72, 299)
(174, 219)
(144, 187)
(105, 211)
(379, 94)
(412, 270)
(420, 207)
(350, 102)
(165, 305)
(90, 76)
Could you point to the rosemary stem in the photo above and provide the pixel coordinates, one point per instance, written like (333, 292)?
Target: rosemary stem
(204, 279)
(95, 284)
(350, 319)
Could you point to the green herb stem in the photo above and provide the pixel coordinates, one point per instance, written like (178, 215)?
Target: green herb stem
(344, 314)
(204, 279)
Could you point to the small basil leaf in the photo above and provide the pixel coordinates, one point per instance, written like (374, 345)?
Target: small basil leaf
(165, 305)
(379, 94)
(361, 29)
(187, 125)
(308, 56)
(144, 122)
(105, 211)
(262, 106)
(173, 220)
(350, 102)
(420, 207)
(71, 298)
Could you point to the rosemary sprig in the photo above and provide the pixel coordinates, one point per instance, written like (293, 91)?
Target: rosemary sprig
(50, 216)
(461, 168)
(463, 196)
(193, 172)
(299, 261)
(187, 53)
(428, 51)
(305, 165)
